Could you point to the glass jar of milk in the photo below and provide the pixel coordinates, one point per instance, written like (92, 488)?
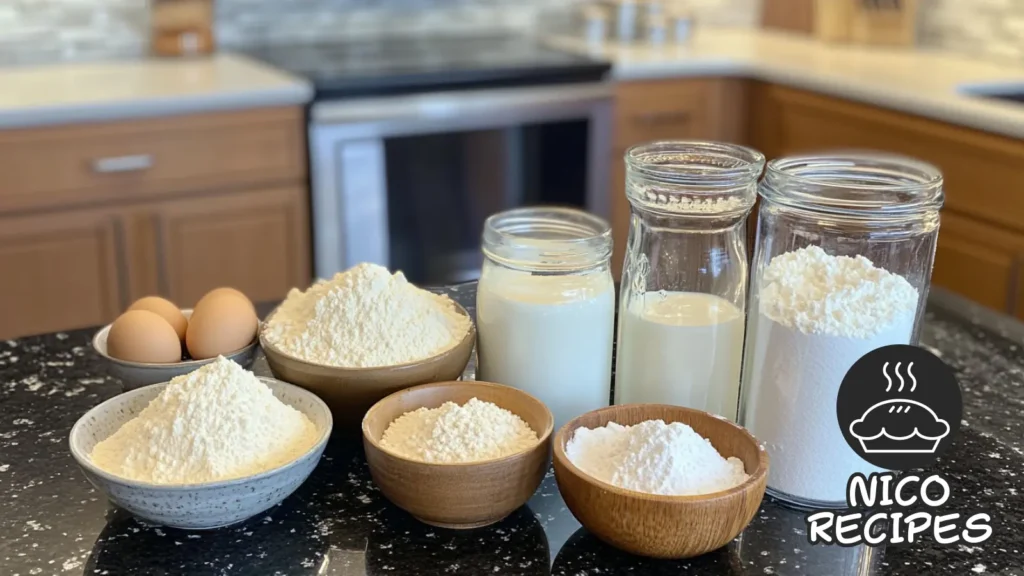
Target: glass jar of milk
(685, 275)
(545, 307)
(845, 245)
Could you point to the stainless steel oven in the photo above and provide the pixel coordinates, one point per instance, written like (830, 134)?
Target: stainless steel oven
(406, 181)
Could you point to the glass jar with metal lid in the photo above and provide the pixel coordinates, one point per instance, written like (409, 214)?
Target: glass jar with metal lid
(546, 307)
(842, 266)
(684, 280)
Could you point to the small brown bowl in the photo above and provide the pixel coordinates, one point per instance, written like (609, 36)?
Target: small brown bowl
(350, 392)
(663, 526)
(463, 495)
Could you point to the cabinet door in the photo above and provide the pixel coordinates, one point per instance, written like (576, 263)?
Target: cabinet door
(979, 261)
(60, 271)
(254, 240)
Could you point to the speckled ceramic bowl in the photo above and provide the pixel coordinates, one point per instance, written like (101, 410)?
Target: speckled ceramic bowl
(138, 374)
(197, 506)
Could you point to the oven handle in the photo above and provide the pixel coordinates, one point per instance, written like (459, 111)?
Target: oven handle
(509, 104)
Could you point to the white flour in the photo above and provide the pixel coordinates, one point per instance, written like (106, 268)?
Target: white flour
(452, 433)
(818, 314)
(363, 318)
(217, 423)
(654, 457)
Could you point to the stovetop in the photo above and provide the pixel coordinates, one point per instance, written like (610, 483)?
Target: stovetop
(383, 66)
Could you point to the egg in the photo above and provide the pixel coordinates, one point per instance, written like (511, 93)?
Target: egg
(166, 310)
(220, 324)
(218, 292)
(143, 336)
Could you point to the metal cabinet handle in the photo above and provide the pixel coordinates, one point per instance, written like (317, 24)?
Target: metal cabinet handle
(664, 117)
(114, 164)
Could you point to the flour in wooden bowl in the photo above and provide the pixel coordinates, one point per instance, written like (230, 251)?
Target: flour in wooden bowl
(451, 433)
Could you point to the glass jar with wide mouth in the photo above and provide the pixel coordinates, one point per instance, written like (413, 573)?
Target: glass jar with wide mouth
(684, 281)
(842, 266)
(546, 307)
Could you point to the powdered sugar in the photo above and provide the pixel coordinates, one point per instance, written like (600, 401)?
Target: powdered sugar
(817, 293)
(365, 317)
(654, 457)
(452, 433)
(217, 423)
(817, 315)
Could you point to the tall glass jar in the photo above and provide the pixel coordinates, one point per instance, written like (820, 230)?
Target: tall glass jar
(546, 307)
(684, 282)
(845, 246)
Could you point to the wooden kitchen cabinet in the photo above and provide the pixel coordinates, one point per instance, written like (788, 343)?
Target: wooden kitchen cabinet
(684, 109)
(61, 271)
(253, 240)
(94, 216)
(982, 235)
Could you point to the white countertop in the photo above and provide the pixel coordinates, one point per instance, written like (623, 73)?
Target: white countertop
(915, 81)
(69, 93)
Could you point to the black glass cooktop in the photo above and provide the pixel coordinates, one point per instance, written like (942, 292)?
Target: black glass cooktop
(425, 64)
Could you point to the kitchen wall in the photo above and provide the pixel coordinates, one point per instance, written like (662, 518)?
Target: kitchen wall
(47, 30)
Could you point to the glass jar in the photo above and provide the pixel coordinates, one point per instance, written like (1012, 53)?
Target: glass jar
(545, 307)
(684, 282)
(845, 246)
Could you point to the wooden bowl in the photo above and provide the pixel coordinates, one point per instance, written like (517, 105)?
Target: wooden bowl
(663, 526)
(350, 392)
(465, 495)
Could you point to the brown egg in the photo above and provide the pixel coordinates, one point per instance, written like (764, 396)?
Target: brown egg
(220, 324)
(164, 309)
(218, 292)
(142, 336)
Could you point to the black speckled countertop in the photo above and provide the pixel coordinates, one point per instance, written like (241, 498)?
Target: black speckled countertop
(53, 522)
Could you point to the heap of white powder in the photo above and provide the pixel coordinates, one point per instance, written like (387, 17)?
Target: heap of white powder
(818, 314)
(654, 457)
(217, 423)
(364, 318)
(451, 433)
(817, 293)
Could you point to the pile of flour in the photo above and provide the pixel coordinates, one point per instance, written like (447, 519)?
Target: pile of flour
(654, 457)
(364, 318)
(217, 423)
(817, 315)
(452, 433)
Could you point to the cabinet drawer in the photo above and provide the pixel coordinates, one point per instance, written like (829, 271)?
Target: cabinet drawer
(979, 261)
(699, 108)
(73, 165)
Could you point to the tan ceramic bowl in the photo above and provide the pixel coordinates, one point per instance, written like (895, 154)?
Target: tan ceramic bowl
(350, 392)
(458, 495)
(663, 526)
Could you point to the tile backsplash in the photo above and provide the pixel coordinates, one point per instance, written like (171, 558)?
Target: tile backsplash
(48, 30)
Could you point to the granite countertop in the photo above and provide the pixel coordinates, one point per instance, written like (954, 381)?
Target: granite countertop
(916, 81)
(77, 92)
(338, 523)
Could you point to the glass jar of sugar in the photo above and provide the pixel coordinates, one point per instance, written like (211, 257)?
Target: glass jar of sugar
(684, 282)
(845, 247)
(545, 307)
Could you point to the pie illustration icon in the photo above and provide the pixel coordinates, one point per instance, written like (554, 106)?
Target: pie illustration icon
(899, 426)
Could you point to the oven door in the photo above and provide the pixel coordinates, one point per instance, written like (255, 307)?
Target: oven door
(406, 182)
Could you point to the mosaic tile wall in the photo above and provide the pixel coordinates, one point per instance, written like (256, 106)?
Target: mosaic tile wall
(49, 30)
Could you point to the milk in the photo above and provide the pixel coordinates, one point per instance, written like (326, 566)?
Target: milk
(680, 348)
(550, 336)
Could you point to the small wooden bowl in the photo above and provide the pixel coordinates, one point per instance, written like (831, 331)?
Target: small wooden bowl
(466, 495)
(350, 392)
(663, 526)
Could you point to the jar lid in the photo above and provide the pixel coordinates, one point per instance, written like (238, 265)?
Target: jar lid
(857, 183)
(547, 239)
(696, 178)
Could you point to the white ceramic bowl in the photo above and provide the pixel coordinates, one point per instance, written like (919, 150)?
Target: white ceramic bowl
(136, 374)
(196, 506)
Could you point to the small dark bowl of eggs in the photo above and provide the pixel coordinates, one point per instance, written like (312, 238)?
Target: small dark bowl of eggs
(154, 340)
